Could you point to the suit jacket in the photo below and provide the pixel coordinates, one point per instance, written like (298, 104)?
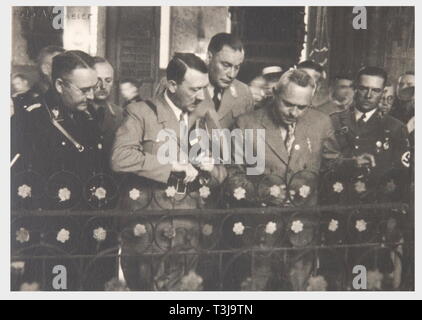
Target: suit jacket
(136, 144)
(314, 143)
(236, 100)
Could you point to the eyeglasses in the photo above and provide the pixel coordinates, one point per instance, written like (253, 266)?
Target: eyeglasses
(82, 91)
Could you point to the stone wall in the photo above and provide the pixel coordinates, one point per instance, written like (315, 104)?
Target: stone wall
(192, 27)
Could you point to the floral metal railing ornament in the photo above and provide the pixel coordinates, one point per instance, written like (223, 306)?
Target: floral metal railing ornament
(27, 190)
(100, 191)
(64, 189)
(267, 224)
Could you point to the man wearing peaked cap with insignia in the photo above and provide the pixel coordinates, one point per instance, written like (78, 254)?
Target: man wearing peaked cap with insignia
(379, 142)
(225, 94)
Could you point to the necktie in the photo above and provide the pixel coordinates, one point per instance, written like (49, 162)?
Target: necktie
(361, 120)
(216, 98)
(290, 137)
(183, 125)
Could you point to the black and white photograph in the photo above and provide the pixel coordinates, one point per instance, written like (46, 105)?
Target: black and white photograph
(259, 148)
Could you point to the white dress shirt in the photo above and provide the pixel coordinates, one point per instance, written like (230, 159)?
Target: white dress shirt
(369, 114)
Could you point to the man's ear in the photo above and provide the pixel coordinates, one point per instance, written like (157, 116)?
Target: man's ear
(172, 86)
(44, 69)
(209, 57)
(58, 84)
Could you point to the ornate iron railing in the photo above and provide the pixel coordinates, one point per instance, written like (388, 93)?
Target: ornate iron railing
(216, 249)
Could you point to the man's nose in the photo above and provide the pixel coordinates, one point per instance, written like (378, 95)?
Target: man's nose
(369, 93)
(295, 112)
(200, 95)
(90, 94)
(231, 73)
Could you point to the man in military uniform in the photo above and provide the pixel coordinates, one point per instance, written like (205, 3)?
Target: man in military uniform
(225, 94)
(136, 151)
(62, 133)
(109, 115)
(62, 143)
(379, 140)
(381, 144)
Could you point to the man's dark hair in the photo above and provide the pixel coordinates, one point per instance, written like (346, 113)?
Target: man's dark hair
(132, 81)
(177, 67)
(66, 62)
(372, 71)
(224, 39)
(310, 64)
(46, 51)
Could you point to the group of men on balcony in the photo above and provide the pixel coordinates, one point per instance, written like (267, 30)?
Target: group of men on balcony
(74, 127)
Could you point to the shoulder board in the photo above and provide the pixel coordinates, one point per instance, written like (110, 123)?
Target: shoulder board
(32, 107)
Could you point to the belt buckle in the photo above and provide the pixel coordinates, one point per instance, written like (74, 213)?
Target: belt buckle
(181, 187)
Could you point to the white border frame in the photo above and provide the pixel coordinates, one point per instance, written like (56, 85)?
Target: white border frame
(5, 60)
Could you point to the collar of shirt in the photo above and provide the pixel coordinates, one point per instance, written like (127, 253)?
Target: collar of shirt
(369, 114)
(211, 92)
(177, 111)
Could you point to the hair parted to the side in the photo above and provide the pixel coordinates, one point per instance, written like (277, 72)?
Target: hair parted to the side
(224, 39)
(180, 63)
(372, 71)
(66, 62)
(296, 76)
